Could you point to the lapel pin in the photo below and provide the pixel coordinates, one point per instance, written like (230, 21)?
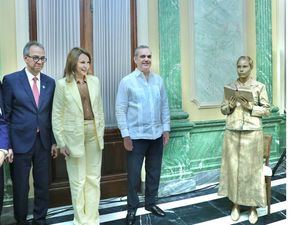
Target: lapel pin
(43, 86)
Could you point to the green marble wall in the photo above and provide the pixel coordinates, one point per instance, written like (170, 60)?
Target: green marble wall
(176, 161)
(276, 126)
(206, 145)
(199, 148)
(214, 54)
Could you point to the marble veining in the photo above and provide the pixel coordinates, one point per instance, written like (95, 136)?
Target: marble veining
(218, 28)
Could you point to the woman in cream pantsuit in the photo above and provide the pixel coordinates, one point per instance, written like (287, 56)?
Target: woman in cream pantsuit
(78, 127)
(242, 178)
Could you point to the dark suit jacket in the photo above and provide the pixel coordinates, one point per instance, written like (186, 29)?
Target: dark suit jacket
(23, 117)
(3, 125)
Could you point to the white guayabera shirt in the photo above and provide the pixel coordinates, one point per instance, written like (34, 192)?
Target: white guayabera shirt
(142, 109)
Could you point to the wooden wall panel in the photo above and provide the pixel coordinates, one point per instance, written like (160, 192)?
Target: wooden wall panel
(114, 175)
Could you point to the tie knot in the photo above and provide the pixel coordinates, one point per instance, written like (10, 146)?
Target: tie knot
(34, 79)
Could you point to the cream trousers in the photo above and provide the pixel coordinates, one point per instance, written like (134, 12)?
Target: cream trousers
(84, 177)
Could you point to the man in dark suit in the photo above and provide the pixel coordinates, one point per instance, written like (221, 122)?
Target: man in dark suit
(4, 153)
(28, 96)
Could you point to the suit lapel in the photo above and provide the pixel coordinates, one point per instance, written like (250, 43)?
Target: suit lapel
(25, 84)
(91, 88)
(43, 90)
(75, 93)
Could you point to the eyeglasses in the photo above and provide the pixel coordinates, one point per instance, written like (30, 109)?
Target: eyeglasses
(36, 58)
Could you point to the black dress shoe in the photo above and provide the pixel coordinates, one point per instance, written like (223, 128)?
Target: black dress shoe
(156, 210)
(43, 222)
(130, 218)
(22, 222)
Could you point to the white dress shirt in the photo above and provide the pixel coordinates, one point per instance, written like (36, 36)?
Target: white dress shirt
(142, 109)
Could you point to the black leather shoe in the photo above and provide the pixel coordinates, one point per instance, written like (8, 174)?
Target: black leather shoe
(23, 222)
(130, 218)
(156, 210)
(43, 222)
(40, 222)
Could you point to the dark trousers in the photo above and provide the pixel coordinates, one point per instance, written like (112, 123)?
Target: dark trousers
(1, 188)
(152, 151)
(38, 158)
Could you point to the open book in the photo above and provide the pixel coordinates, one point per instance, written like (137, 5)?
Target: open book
(230, 91)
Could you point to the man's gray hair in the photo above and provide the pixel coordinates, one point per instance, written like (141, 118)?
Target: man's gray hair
(136, 50)
(29, 44)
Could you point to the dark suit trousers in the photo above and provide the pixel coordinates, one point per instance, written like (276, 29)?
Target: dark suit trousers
(152, 151)
(38, 158)
(1, 188)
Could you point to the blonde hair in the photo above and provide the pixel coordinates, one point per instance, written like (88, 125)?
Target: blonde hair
(71, 62)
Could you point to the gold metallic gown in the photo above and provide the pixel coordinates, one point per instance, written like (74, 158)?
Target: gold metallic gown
(241, 175)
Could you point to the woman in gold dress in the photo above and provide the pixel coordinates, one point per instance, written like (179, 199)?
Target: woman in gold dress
(241, 177)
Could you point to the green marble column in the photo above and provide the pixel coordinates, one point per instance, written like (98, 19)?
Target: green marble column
(176, 162)
(169, 48)
(263, 14)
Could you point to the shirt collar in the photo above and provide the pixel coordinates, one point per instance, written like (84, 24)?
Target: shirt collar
(83, 79)
(140, 73)
(249, 82)
(31, 76)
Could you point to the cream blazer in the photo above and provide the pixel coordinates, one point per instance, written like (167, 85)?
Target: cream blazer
(67, 115)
